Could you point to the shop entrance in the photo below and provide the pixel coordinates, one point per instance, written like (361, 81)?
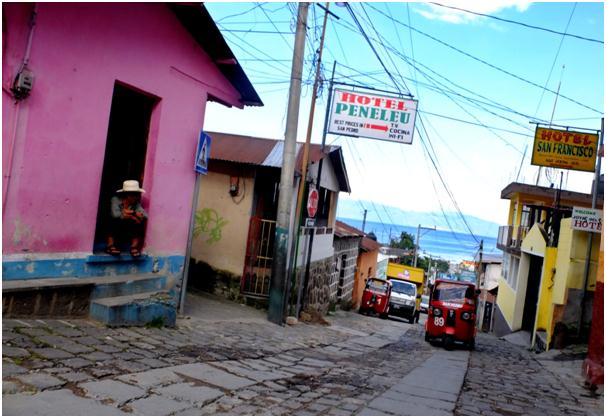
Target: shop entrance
(532, 292)
(125, 150)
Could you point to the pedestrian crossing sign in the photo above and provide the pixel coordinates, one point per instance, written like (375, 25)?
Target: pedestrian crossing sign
(202, 154)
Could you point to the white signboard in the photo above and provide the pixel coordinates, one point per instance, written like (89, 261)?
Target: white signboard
(586, 219)
(362, 114)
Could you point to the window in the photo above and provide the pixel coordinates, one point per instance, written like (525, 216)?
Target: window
(514, 273)
(525, 218)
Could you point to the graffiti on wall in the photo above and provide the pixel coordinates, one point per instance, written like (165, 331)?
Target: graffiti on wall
(208, 222)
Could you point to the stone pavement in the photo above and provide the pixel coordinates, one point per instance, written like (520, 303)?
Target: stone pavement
(227, 359)
(227, 366)
(506, 379)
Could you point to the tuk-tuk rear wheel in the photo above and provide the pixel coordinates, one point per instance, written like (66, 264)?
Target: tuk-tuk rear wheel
(426, 336)
(471, 344)
(448, 342)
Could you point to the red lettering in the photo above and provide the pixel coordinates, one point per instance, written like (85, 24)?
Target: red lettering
(557, 136)
(348, 97)
(546, 135)
(567, 135)
(577, 139)
(364, 100)
(587, 140)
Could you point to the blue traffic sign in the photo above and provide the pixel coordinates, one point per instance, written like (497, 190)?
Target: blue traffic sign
(202, 154)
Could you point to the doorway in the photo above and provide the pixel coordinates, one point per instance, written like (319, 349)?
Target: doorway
(532, 292)
(125, 150)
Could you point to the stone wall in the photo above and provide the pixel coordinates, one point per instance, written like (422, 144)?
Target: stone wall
(346, 255)
(321, 292)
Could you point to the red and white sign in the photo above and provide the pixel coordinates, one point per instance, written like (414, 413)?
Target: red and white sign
(369, 115)
(312, 202)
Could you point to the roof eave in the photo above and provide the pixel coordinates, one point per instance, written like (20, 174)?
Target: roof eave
(201, 26)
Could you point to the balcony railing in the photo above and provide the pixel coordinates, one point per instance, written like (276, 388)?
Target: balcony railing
(511, 237)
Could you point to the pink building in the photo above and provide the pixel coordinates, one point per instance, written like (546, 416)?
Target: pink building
(119, 92)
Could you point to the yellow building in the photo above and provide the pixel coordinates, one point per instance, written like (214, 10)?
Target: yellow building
(541, 287)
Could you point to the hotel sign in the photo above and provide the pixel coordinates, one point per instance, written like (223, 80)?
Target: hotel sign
(586, 219)
(361, 114)
(564, 149)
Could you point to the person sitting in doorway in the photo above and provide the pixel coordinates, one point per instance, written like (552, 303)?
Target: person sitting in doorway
(127, 219)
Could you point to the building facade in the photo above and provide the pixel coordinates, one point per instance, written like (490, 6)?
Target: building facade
(236, 216)
(119, 92)
(541, 287)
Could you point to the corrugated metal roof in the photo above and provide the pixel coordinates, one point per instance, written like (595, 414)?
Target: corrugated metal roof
(269, 153)
(343, 230)
(240, 148)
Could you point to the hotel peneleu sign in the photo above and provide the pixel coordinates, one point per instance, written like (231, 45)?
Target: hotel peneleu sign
(373, 116)
(564, 149)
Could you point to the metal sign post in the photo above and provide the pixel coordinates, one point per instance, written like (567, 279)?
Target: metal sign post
(201, 169)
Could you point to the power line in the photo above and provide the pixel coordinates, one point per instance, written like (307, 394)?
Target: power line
(495, 67)
(268, 32)
(526, 25)
(555, 60)
(353, 15)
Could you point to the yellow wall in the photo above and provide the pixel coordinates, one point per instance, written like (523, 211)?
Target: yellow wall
(534, 242)
(506, 301)
(228, 252)
(545, 312)
(512, 204)
(570, 263)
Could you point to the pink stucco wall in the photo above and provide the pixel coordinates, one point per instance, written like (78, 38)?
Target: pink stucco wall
(78, 52)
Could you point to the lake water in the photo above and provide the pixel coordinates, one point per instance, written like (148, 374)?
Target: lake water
(445, 244)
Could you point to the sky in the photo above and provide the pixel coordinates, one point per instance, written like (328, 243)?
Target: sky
(479, 82)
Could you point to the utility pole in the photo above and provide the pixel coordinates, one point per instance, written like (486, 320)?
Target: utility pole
(302, 184)
(479, 276)
(364, 223)
(417, 241)
(277, 290)
(594, 202)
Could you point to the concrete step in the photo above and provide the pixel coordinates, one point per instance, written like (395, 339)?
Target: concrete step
(130, 284)
(135, 309)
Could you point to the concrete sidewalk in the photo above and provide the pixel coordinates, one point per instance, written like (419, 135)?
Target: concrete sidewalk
(432, 389)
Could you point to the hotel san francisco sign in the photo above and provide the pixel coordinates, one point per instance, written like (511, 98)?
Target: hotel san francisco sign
(362, 114)
(564, 149)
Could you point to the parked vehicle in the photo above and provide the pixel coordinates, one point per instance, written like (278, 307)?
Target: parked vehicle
(424, 303)
(376, 297)
(403, 300)
(452, 313)
(408, 274)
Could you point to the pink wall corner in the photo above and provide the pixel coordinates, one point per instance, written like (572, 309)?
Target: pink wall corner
(78, 52)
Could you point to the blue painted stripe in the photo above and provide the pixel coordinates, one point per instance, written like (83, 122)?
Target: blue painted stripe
(172, 266)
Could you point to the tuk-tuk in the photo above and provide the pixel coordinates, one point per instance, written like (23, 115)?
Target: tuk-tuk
(452, 313)
(376, 297)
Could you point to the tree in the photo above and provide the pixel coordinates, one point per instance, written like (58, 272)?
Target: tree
(405, 242)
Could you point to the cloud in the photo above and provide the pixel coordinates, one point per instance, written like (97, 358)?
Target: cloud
(434, 12)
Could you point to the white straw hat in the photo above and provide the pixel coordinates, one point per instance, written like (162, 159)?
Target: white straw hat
(130, 186)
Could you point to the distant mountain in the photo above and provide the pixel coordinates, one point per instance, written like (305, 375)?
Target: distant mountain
(352, 209)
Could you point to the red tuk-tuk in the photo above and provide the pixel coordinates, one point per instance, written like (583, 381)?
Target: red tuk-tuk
(376, 297)
(451, 315)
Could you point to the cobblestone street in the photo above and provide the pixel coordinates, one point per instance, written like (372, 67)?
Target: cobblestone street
(243, 365)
